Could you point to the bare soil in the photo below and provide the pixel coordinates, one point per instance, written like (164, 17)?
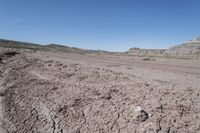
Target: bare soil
(46, 92)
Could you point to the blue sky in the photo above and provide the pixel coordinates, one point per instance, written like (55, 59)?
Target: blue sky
(114, 25)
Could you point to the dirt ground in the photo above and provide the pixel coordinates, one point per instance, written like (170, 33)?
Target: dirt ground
(44, 92)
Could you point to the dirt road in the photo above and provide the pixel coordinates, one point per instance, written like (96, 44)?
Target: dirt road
(47, 92)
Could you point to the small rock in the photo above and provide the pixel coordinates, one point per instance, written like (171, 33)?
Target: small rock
(106, 96)
(78, 130)
(3, 61)
(150, 115)
(146, 84)
(143, 116)
(140, 115)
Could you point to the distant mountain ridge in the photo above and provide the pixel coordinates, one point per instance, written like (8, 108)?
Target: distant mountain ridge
(190, 48)
(50, 47)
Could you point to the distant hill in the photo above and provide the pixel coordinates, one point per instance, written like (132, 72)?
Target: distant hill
(18, 45)
(191, 47)
(187, 49)
(145, 52)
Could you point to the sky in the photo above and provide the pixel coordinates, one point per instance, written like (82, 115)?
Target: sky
(114, 25)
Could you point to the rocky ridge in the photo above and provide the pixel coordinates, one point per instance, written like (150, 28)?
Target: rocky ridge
(191, 47)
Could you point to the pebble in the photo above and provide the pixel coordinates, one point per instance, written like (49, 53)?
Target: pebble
(139, 114)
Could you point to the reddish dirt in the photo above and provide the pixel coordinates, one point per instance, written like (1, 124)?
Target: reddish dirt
(47, 92)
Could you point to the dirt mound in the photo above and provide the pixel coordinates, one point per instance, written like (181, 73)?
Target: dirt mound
(7, 54)
(43, 95)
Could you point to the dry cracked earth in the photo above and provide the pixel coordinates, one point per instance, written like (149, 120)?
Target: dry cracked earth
(44, 92)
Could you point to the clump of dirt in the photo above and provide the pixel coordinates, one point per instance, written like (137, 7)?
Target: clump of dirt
(48, 95)
(148, 59)
(10, 53)
(7, 54)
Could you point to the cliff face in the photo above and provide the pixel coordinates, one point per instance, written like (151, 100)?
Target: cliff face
(191, 47)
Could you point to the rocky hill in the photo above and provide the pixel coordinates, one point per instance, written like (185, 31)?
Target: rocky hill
(188, 49)
(191, 47)
(145, 52)
(26, 46)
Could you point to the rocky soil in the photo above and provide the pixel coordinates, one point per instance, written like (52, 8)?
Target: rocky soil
(44, 92)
